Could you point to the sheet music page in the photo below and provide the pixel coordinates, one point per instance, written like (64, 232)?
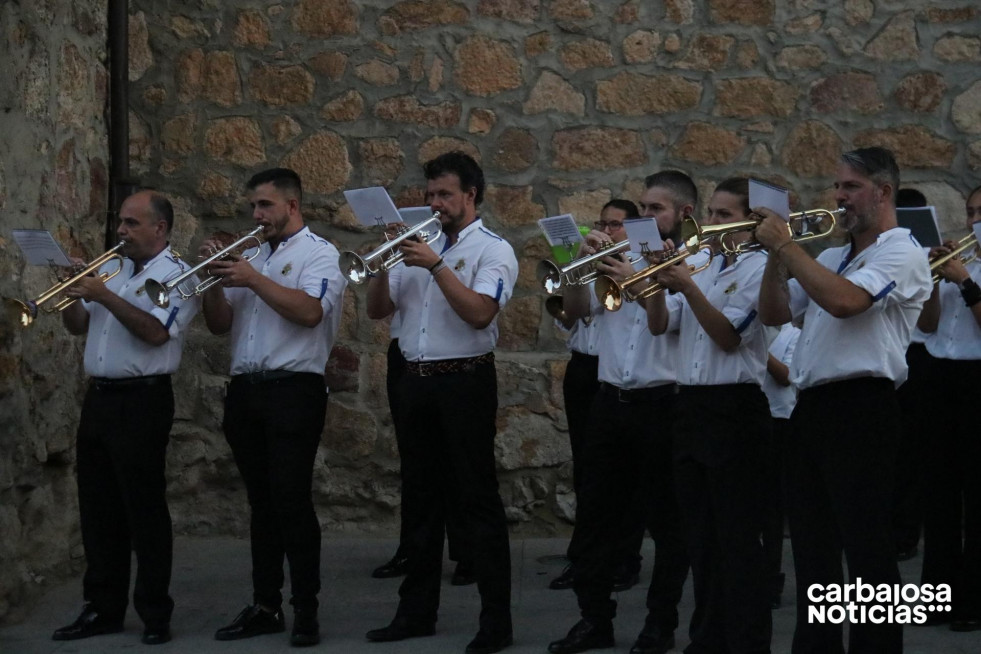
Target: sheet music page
(643, 234)
(772, 197)
(40, 248)
(563, 236)
(372, 206)
(412, 216)
(922, 224)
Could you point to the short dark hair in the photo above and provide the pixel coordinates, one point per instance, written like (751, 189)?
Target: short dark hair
(626, 206)
(738, 186)
(678, 183)
(910, 197)
(283, 179)
(878, 164)
(161, 207)
(463, 166)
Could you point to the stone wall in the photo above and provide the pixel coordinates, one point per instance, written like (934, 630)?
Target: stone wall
(53, 154)
(566, 103)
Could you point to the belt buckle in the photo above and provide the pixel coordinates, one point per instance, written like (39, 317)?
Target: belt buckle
(623, 395)
(424, 369)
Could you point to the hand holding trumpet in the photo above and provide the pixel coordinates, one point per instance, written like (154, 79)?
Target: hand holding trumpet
(953, 269)
(772, 232)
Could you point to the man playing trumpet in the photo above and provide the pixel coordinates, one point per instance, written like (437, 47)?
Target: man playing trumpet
(447, 296)
(859, 304)
(132, 349)
(283, 309)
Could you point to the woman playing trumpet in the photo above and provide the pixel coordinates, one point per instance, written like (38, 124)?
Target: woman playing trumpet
(720, 431)
(952, 520)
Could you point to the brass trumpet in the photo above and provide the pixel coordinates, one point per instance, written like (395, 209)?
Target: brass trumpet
(159, 292)
(969, 242)
(28, 310)
(801, 225)
(578, 272)
(357, 269)
(612, 293)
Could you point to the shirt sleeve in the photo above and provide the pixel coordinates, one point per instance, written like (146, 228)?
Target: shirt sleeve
(321, 277)
(177, 315)
(395, 284)
(497, 273)
(675, 303)
(895, 274)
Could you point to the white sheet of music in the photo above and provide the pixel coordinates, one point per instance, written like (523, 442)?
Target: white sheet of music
(771, 197)
(40, 248)
(372, 206)
(643, 234)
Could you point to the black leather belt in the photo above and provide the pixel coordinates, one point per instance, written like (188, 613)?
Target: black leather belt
(123, 383)
(261, 376)
(447, 366)
(634, 395)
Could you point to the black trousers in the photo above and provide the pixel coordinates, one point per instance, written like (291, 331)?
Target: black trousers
(456, 541)
(952, 533)
(274, 428)
(719, 452)
(841, 472)
(579, 385)
(122, 501)
(628, 450)
(917, 424)
(448, 425)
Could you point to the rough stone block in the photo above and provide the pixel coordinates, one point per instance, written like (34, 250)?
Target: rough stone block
(324, 18)
(553, 93)
(486, 67)
(321, 162)
(597, 148)
(237, 140)
(632, 94)
(279, 86)
(754, 96)
(411, 15)
(708, 145)
(588, 53)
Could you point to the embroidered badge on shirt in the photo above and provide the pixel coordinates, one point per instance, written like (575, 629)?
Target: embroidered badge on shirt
(731, 289)
(287, 269)
(460, 265)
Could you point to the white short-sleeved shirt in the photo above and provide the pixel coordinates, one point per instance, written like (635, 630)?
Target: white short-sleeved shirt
(431, 330)
(583, 338)
(734, 290)
(782, 398)
(262, 339)
(958, 335)
(895, 273)
(111, 350)
(629, 356)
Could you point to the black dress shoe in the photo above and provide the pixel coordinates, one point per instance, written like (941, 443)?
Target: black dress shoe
(965, 624)
(306, 629)
(397, 567)
(252, 621)
(583, 636)
(464, 575)
(400, 629)
(486, 642)
(157, 635)
(89, 623)
(652, 641)
(565, 580)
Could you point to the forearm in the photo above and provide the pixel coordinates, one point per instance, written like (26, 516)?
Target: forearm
(830, 291)
(141, 324)
(774, 304)
(379, 303)
(476, 309)
(217, 311)
(295, 305)
(657, 314)
(778, 370)
(713, 321)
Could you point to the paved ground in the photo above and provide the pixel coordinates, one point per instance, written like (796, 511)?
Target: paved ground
(210, 586)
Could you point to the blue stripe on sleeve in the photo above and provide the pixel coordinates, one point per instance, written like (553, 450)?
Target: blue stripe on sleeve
(172, 317)
(747, 321)
(500, 289)
(884, 292)
(323, 288)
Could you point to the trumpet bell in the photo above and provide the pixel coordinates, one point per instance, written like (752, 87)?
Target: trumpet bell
(608, 292)
(157, 293)
(23, 313)
(550, 275)
(354, 267)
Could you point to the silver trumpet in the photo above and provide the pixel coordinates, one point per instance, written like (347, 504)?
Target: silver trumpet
(578, 272)
(358, 268)
(159, 292)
